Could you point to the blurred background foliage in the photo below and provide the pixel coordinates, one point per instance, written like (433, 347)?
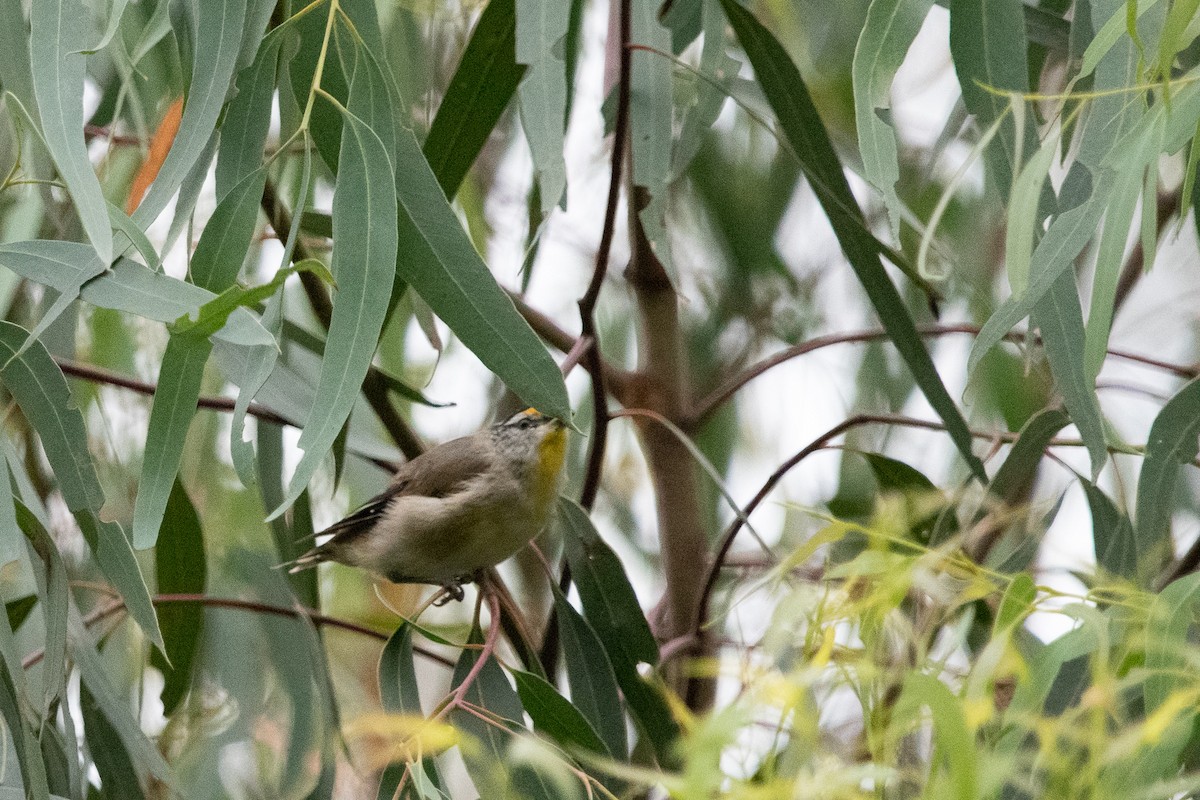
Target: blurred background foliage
(882, 357)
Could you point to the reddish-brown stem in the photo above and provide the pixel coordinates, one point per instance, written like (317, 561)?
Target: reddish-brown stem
(710, 403)
(591, 357)
(323, 620)
(99, 375)
(821, 443)
(457, 698)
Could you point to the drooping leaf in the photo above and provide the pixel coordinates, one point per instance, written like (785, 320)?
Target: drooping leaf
(492, 771)
(479, 91)
(888, 32)
(1060, 320)
(555, 716)
(53, 591)
(58, 32)
(1112, 534)
(541, 26)
(181, 568)
(364, 257)
(612, 609)
(398, 689)
(1171, 444)
(110, 702)
(803, 129)
(591, 678)
(40, 389)
(179, 382)
(650, 122)
(219, 26)
(988, 45)
(118, 778)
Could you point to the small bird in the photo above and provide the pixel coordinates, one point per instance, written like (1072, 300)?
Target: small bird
(457, 508)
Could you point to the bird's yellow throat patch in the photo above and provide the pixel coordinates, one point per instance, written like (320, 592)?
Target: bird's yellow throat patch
(551, 453)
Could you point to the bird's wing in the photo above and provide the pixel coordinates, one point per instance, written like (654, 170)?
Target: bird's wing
(438, 472)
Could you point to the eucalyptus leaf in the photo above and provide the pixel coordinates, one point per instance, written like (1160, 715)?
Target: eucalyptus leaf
(804, 131)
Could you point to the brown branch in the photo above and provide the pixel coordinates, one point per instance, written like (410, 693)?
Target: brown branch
(95, 374)
(590, 341)
(820, 443)
(88, 372)
(705, 407)
(374, 387)
(616, 380)
(298, 612)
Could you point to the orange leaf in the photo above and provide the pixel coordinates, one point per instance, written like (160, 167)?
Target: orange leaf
(160, 145)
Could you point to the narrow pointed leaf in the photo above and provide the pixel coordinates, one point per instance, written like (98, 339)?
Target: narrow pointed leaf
(591, 678)
(887, 33)
(40, 389)
(482, 86)
(57, 35)
(219, 28)
(364, 258)
(541, 26)
(1172, 443)
(806, 134)
(180, 568)
(555, 716)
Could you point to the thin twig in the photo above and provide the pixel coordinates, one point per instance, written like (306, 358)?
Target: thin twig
(820, 443)
(710, 403)
(590, 341)
(99, 375)
(103, 612)
(95, 374)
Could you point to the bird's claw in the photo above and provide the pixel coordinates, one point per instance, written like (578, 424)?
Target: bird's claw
(452, 591)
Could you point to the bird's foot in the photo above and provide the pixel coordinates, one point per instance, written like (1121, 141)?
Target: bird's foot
(453, 590)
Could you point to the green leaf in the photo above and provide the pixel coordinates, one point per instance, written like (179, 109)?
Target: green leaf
(399, 691)
(708, 94)
(1016, 474)
(482, 86)
(987, 42)
(228, 234)
(1016, 603)
(179, 381)
(541, 26)
(247, 121)
(591, 678)
(806, 134)
(650, 121)
(364, 257)
(18, 610)
(58, 29)
(118, 778)
(1112, 534)
(952, 739)
(63, 266)
(555, 716)
(219, 28)
(611, 607)
(54, 593)
(440, 263)
(10, 537)
(132, 288)
(1060, 319)
(19, 718)
(1023, 217)
(491, 691)
(1171, 444)
(41, 391)
(888, 32)
(180, 568)
(110, 702)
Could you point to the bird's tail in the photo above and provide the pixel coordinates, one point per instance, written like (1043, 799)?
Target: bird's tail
(310, 559)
